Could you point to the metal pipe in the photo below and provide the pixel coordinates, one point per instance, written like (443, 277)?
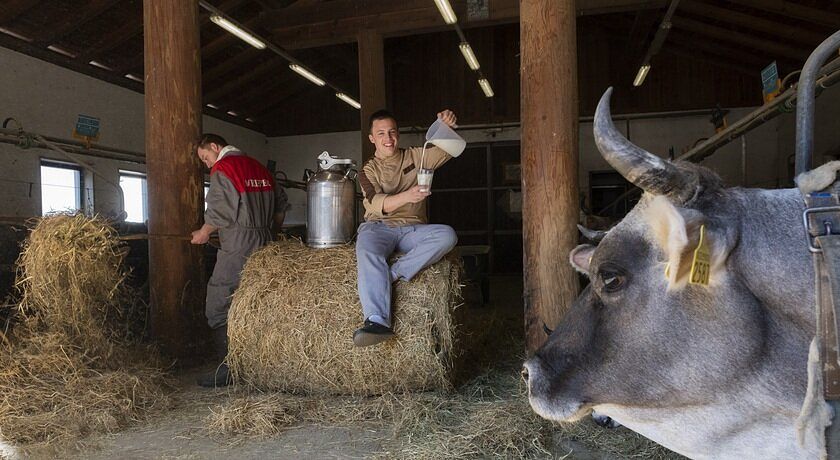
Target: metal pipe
(18, 137)
(82, 151)
(805, 104)
(781, 104)
(743, 160)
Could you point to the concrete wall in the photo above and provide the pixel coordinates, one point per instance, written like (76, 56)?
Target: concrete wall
(47, 99)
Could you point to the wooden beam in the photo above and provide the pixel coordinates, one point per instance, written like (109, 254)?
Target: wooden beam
(371, 83)
(115, 38)
(340, 21)
(11, 9)
(794, 10)
(331, 63)
(173, 122)
(291, 89)
(272, 64)
(752, 22)
(715, 48)
(68, 63)
(236, 63)
(773, 48)
(549, 146)
(716, 59)
(86, 13)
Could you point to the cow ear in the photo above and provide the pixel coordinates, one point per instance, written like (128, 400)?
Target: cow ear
(581, 256)
(677, 231)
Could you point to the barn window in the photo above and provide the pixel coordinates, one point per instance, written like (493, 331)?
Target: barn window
(61, 187)
(135, 196)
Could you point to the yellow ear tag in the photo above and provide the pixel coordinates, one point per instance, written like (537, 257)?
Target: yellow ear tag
(701, 265)
(667, 270)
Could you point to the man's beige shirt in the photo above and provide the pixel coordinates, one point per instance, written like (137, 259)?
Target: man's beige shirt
(381, 177)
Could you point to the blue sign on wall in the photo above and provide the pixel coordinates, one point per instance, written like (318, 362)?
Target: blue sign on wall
(770, 82)
(87, 126)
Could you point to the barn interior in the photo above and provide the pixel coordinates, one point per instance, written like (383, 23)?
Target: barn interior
(102, 101)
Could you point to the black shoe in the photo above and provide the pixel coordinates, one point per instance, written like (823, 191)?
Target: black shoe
(371, 334)
(219, 377)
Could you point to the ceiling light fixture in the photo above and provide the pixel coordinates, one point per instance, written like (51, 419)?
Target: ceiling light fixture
(61, 51)
(348, 100)
(467, 51)
(446, 11)
(485, 86)
(302, 71)
(235, 29)
(640, 76)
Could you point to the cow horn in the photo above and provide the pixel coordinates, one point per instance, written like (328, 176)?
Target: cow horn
(592, 235)
(643, 169)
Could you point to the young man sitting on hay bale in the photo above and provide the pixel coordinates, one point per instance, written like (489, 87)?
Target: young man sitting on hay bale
(242, 204)
(395, 220)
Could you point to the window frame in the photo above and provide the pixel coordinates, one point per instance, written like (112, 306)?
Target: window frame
(144, 191)
(79, 187)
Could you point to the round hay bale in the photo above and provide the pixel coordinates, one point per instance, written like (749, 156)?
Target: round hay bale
(71, 277)
(292, 320)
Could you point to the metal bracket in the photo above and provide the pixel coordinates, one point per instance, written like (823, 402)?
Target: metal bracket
(826, 224)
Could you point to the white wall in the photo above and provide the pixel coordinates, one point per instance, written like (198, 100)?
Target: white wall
(47, 99)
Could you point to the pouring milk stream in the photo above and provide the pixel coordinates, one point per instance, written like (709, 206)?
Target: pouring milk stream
(441, 135)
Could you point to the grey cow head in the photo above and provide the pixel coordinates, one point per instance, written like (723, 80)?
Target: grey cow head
(637, 335)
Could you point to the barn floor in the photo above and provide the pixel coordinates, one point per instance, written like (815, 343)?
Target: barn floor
(182, 433)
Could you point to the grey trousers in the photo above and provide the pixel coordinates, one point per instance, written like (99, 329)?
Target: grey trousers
(423, 245)
(237, 245)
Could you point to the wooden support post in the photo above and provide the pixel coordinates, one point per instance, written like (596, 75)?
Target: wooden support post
(549, 161)
(371, 82)
(175, 181)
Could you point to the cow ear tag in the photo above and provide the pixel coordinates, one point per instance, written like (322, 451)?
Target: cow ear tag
(701, 264)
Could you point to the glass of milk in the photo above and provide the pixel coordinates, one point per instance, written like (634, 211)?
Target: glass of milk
(424, 179)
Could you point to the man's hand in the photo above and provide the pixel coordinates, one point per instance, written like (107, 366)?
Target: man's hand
(200, 236)
(448, 117)
(415, 195)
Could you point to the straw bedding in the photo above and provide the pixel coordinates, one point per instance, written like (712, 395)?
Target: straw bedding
(70, 365)
(486, 418)
(292, 319)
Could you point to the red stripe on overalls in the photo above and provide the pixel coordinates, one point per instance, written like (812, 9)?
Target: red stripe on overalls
(246, 173)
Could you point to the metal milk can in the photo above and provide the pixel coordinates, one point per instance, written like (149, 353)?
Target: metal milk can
(330, 202)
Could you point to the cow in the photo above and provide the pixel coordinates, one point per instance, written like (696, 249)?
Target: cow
(715, 370)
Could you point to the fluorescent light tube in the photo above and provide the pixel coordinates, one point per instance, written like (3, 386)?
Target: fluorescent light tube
(467, 51)
(640, 76)
(348, 100)
(228, 25)
(446, 11)
(485, 86)
(131, 76)
(302, 71)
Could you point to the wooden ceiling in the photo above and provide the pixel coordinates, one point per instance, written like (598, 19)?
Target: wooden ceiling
(104, 39)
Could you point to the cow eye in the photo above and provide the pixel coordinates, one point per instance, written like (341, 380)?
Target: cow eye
(612, 281)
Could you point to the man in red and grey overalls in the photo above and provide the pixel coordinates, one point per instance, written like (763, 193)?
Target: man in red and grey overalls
(241, 203)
